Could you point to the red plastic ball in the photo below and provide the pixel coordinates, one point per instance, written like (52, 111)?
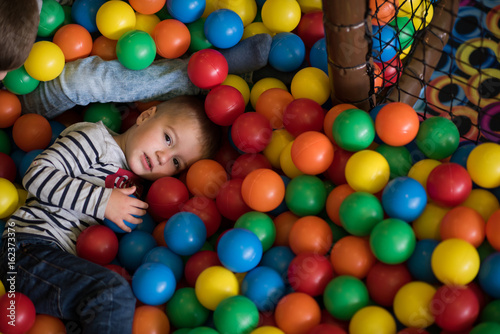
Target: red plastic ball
(303, 115)
(166, 197)
(248, 162)
(391, 70)
(224, 104)
(10, 108)
(311, 28)
(384, 280)
(198, 262)
(336, 171)
(229, 200)
(227, 155)
(251, 132)
(207, 68)
(263, 190)
(312, 152)
(449, 184)
(455, 308)
(309, 273)
(326, 329)
(172, 38)
(23, 313)
(98, 244)
(32, 132)
(206, 209)
(8, 167)
(272, 104)
(74, 40)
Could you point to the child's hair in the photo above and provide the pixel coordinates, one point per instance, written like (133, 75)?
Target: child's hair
(18, 26)
(193, 107)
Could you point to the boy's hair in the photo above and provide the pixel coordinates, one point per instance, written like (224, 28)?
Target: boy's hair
(19, 21)
(193, 107)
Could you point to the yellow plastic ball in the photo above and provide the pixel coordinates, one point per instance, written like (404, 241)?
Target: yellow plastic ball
(256, 28)
(455, 262)
(308, 6)
(146, 22)
(281, 15)
(372, 320)
(412, 304)
(267, 330)
(367, 171)
(8, 198)
(279, 140)
(286, 163)
(215, 284)
(262, 85)
(246, 9)
(114, 18)
(483, 201)
(240, 84)
(405, 52)
(210, 6)
(483, 165)
(421, 169)
(312, 83)
(22, 194)
(426, 226)
(45, 61)
(2, 289)
(420, 12)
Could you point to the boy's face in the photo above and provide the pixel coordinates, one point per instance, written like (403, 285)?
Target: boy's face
(3, 74)
(159, 145)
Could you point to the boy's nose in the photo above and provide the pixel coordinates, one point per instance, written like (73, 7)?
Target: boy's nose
(163, 157)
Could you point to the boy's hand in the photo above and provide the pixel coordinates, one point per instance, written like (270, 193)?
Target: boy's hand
(123, 207)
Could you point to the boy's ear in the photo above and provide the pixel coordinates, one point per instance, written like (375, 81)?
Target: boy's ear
(146, 114)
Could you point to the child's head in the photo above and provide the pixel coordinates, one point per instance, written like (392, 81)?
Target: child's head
(169, 138)
(18, 26)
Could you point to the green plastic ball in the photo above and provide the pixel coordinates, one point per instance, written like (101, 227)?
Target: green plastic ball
(360, 212)
(491, 312)
(184, 309)
(406, 30)
(5, 144)
(305, 195)
(486, 328)
(108, 113)
(67, 15)
(345, 295)
(202, 330)
(353, 130)
(398, 157)
(392, 241)
(437, 138)
(51, 18)
(260, 224)
(20, 82)
(236, 314)
(198, 39)
(136, 50)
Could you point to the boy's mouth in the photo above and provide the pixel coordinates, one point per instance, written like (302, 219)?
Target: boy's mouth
(147, 162)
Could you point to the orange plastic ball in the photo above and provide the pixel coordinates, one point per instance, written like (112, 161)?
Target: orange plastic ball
(205, 178)
(351, 255)
(105, 48)
(312, 152)
(32, 132)
(150, 319)
(263, 190)
(10, 108)
(272, 104)
(397, 124)
(493, 230)
(310, 234)
(297, 313)
(47, 324)
(147, 6)
(463, 223)
(330, 117)
(335, 199)
(172, 38)
(378, 77)
(383, 11)
(283, 224)
(158, 233)
(74, 40)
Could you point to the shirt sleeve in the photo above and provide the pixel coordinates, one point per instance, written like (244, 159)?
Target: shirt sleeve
(53, 175)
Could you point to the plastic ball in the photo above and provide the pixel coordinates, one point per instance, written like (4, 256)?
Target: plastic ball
(310, 234)
(398, 157)
(406, 30)
(51, 18)
(385, 43)
(419, 263)
(230, 202)
(10, 109)
(114, 18)
(105, 48)
(485, 328)
(296, 313)
(421, 169)
(351, 255)
(45, 61)
(107, 113)
(367, 171)
(309, 273)
(412, 304)
(371, 320)
(215, 284)
(206, 209)
(267, 330)
(383, 11)
(312, 83)
(427, 225)
(437, 137)
(224, 104)
(359, 212)
(172, 38)
(303, 115)
(272, 103)
(31, 132)
(98, 244)
(463, 223)
(457, 313)
(48, 324)
(198, 262)
(286, 163)
(148, 6)
(167, 257)
(344, 296)
(264, 287)
(281, 15)
(263, 85)
(287, 52)
(26, 161)
(133, 247)
(186, 11)
(9, 198)
(483, 165)
(332, 115)
(489, 274)
(397, 124)
(261, 225)
(83, 12)
(19, 82)
(312, 152)
(8, 169)
(419, 11)
(353, 130)
(146, 22)
(255, 28)
(16, 307)
(207, 68)
(223, 28)
(392, 241)
(136, 49)
(150, 319)
(236, 314)
(239, 250)
(318, 56)
(263, 190)
(455, 262)
(383, 281)
(449, 184)
(185, 233)
(278, 258)
(404, 198)
(306, 195)
(74, 40)
(153, 283)
(184, 310)
(166, 196)
(246, 9)
(205, 177)
(310, 28)
(240, 84)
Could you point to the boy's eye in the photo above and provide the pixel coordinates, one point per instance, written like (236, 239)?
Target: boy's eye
(176, 163)
(168, 139)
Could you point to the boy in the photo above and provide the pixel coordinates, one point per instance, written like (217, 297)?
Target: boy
(85, 176)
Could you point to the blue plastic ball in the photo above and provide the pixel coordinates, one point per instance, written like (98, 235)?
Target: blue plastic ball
(264, 287)
(165, 256)
(373, 114)
(239, 250)
(133, 247)
(462, 153)
(278, 258)
(117, 229)
(185, 233)
(27, 160)
(153, 283)
(489, 275)
(223, 28)
(84, 12)
(148, 224)
(318, 56)
(287, 52)
(186, 11)
(57, 128)
(404, 198)
(385, 43)
(419, 263)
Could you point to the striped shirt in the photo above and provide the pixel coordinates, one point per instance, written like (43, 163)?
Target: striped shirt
(69, 185)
